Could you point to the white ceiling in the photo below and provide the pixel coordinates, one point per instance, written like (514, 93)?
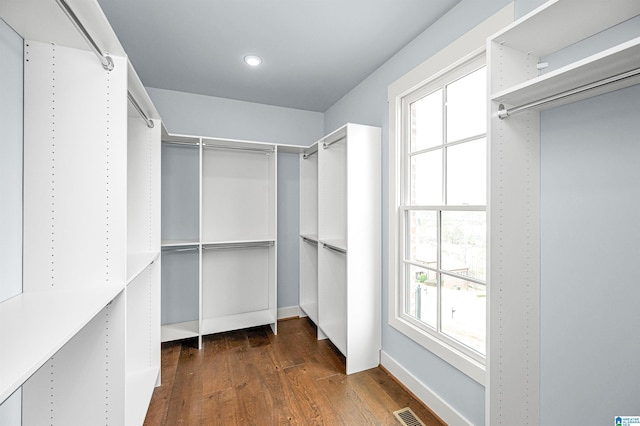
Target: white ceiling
(313, 51)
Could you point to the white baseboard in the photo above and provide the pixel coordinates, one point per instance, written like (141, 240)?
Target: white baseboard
(288, 312)
(428, 397)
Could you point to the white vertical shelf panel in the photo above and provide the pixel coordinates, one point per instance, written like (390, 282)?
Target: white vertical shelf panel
(309, 279)
(309, 195)
(75, 169)
(349, 216)
(142, 342)
(82, 383)
(364, 240)
(237, 195)
(143, 195)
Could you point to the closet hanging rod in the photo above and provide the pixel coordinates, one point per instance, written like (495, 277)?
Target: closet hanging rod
(226, 246)
(236, 148)
(179, 248)
(307, 155)
(334, 248)
(326, 145)
(504, 112)
(107, 62)
(140, 111)
(309, 240)
(182, 143)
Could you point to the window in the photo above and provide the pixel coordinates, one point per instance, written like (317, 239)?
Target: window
(440, 215)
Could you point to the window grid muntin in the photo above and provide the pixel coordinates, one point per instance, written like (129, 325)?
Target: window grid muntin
(405, 189)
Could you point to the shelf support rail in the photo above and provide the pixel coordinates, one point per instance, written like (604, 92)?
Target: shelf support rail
(136, 106)
(105, 60)
(504, 112)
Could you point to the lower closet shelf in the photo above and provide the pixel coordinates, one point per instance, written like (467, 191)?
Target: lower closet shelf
(178, 331)
(238, 321)
(40, 324)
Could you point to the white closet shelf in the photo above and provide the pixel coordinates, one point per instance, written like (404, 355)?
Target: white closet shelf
(621, 58)
(35, 325)
(554, 26)
(139, 389)
(237, 321)
(138, 262)
(179, 331)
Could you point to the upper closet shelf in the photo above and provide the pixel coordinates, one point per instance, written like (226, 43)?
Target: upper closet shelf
(35, 325)
(555, 25)
(603, 65)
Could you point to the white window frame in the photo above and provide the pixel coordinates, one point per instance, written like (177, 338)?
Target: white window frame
(465, 49)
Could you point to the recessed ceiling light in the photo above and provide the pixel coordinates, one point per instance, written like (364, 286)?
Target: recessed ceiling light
(253, 60)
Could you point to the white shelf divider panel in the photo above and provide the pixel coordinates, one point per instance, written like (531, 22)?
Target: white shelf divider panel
(142, 362)
(39, 323)
(84, 233)
(349, 243)
(238, 191)
(83, 382)
(513, 318)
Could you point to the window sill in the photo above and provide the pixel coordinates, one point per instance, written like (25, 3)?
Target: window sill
(462, 362)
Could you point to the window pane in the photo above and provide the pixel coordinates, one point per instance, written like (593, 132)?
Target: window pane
(421, 295)
(423, 237)
(426, 179)
(426, 122)
(467, 106)
(467, 173)
(464, 312)
(464, 241)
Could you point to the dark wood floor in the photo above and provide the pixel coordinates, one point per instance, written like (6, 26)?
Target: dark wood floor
(251, 377)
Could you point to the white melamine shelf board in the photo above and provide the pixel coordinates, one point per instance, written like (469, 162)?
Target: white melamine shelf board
(238, 321)
(138, 262)
(560, 23)
(140, 94)
(616, 60)
(35, 325)
(186, 140)
(44, 20)
(238, 144)
(179, 331)
(139, 387)
(179, 243)
(291, 149)
(311, 310)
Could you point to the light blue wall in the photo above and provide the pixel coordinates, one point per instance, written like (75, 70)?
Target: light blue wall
(199, 115)
(590, 252)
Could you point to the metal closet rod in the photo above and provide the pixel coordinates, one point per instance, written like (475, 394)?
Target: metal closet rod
(178, 248)
(107, 62)
(315, 151)
(193, 144)
(140, 111)
(504, 112)
(326, 145)
(236, 148)
(226, 246)
(309, 240)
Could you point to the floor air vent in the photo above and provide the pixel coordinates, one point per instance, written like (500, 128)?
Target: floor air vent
(408, 417)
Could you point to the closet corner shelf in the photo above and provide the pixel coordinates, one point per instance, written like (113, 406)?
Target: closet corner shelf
(602, 65)
(35, 325)
(138, 262)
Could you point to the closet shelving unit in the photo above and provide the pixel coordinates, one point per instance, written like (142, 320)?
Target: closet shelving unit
(219, 243)
(86, 325)
(518, 91)
(308, 282)
(349, 243)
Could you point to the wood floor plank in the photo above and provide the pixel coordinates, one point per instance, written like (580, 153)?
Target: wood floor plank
(253, 377)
